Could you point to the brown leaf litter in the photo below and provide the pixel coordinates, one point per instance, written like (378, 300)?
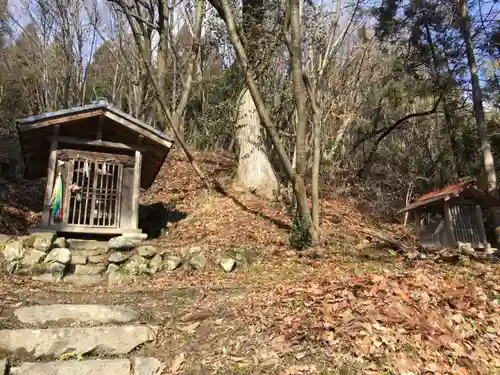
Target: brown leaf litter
(334, 314)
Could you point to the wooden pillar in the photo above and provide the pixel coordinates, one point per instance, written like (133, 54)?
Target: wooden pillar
(480, 223)
(136, 189)
(51, 174)
(416, 216)
(448, 222)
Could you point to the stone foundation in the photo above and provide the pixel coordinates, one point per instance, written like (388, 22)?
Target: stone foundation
(46, 257)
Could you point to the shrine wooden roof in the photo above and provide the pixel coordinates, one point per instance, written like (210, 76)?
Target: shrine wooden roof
(84, 123)
(467, 190)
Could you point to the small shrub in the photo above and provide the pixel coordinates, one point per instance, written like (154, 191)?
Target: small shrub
(299, 236)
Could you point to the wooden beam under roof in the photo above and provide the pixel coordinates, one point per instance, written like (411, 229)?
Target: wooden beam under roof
(99, 143)
(60, 120)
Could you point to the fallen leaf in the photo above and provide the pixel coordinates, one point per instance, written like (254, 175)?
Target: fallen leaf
(457, 318)
(458, 349)
(237, 359)
(300, 355)
(197, 317)
(177, 363)
(190, 328)
(491, 329)
(431, 367)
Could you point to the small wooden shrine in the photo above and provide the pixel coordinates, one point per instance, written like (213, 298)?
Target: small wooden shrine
(96, 158)
(460, 213)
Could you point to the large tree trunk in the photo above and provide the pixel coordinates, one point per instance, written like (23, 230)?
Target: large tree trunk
(255, 172)
(477, 97)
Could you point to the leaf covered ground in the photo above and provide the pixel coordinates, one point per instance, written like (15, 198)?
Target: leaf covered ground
(349, 308)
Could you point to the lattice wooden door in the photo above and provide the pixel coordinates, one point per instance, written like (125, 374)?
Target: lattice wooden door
(468, 224)
(96, 200)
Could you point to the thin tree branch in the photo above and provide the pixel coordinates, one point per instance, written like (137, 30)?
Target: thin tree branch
(393, 127)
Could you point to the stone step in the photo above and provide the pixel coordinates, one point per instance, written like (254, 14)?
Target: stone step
(88, 245)
(93, 367)
(136, 366)
(84, 279)
(54, 342)
(71, 279)
(79, 313)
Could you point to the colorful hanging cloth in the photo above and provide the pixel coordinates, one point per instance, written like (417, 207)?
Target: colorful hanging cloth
(56, 200)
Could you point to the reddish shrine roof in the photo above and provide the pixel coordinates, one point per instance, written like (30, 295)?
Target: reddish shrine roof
(449, 190)
(440, 194)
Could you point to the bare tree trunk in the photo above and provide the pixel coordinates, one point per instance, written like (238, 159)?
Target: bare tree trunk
(224, 10)
(300, 105)
(3, 24)
(255, 172)
(477, 97)
(315, 208)
(346, 121)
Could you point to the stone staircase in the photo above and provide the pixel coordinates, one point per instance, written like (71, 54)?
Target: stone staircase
(95, 339)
